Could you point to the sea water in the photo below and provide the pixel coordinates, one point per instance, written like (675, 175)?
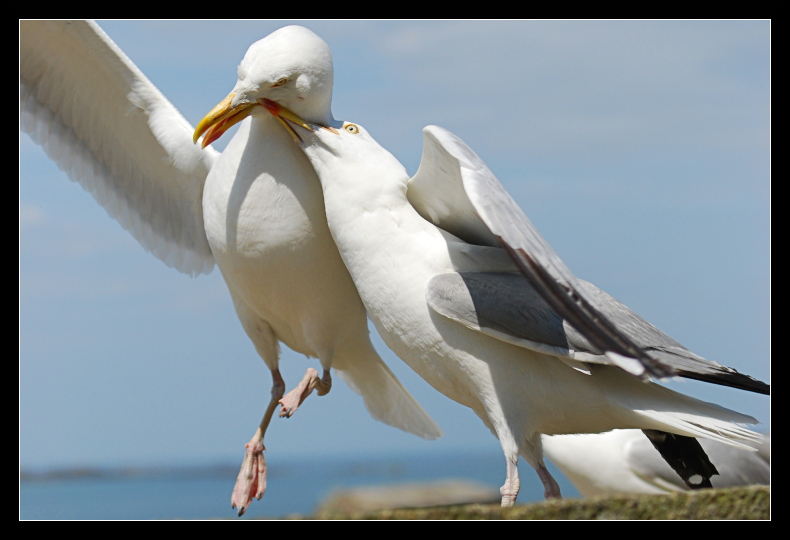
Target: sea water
(296, 486)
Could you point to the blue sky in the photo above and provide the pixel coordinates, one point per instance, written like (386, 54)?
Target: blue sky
(641, 151)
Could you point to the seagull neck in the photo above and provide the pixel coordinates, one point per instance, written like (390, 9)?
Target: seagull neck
(319, 114)
(316, 109)
(375, 227)
(365, 198)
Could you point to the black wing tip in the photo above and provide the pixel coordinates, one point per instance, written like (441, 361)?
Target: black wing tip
(686, 457)
(734, 380)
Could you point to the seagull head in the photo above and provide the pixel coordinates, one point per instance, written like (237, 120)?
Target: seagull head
(291, 67)
(345, 157)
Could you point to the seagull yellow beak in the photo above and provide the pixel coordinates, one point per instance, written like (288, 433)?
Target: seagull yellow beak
(282, 114)
(220, 119)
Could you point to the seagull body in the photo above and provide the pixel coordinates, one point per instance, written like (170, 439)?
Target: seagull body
(624, 461)
(256, 210)
(257, 207)
(463, 316)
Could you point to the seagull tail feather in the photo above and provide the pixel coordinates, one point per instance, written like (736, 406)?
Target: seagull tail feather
(385, 397)
(719, 429)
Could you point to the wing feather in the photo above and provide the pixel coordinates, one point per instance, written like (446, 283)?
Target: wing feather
(108, 127)
(451, 171)
(506, 306)
(455, 190)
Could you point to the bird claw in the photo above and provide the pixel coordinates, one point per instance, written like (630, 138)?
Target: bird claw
(251, 482)
(291, 401)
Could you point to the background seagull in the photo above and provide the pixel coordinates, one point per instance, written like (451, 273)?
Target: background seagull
(449, 300)
(624, 461)
(255, 210)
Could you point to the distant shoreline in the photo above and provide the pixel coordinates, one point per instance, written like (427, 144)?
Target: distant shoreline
(389, 465)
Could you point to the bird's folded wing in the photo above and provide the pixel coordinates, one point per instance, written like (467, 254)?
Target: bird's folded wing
(508, 307)
(109, 128)
(455, 190)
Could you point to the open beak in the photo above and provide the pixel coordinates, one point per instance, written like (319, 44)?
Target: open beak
(220, 119)
(282, 114)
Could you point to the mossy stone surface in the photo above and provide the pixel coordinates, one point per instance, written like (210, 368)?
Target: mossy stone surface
(752, 502)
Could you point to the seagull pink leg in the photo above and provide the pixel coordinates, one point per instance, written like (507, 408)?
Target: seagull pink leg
(309, 382)
(509, 491)
(251, 482)
(551, 489)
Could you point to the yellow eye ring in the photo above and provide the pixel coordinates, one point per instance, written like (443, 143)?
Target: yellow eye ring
(280, 82)
(351, 128)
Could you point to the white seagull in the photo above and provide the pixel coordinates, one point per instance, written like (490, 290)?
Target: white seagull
(256, 210)
(440, 262)
(624, 461)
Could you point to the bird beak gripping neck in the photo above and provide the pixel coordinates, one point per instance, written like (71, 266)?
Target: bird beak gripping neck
(282, 114)
(224, 116)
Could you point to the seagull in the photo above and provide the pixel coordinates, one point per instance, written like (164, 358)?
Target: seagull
(624, 461)
(255, 210)
(462, 287)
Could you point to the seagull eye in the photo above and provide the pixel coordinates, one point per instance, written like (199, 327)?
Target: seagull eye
(280, 82)
(351, 128)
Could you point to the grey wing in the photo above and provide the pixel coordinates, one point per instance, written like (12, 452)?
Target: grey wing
(507, 306)
(737, 467)
(551, 311)
(455, 190)
(111, 130)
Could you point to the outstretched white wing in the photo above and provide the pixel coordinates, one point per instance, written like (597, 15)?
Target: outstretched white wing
(102, 122)
(551, 311)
